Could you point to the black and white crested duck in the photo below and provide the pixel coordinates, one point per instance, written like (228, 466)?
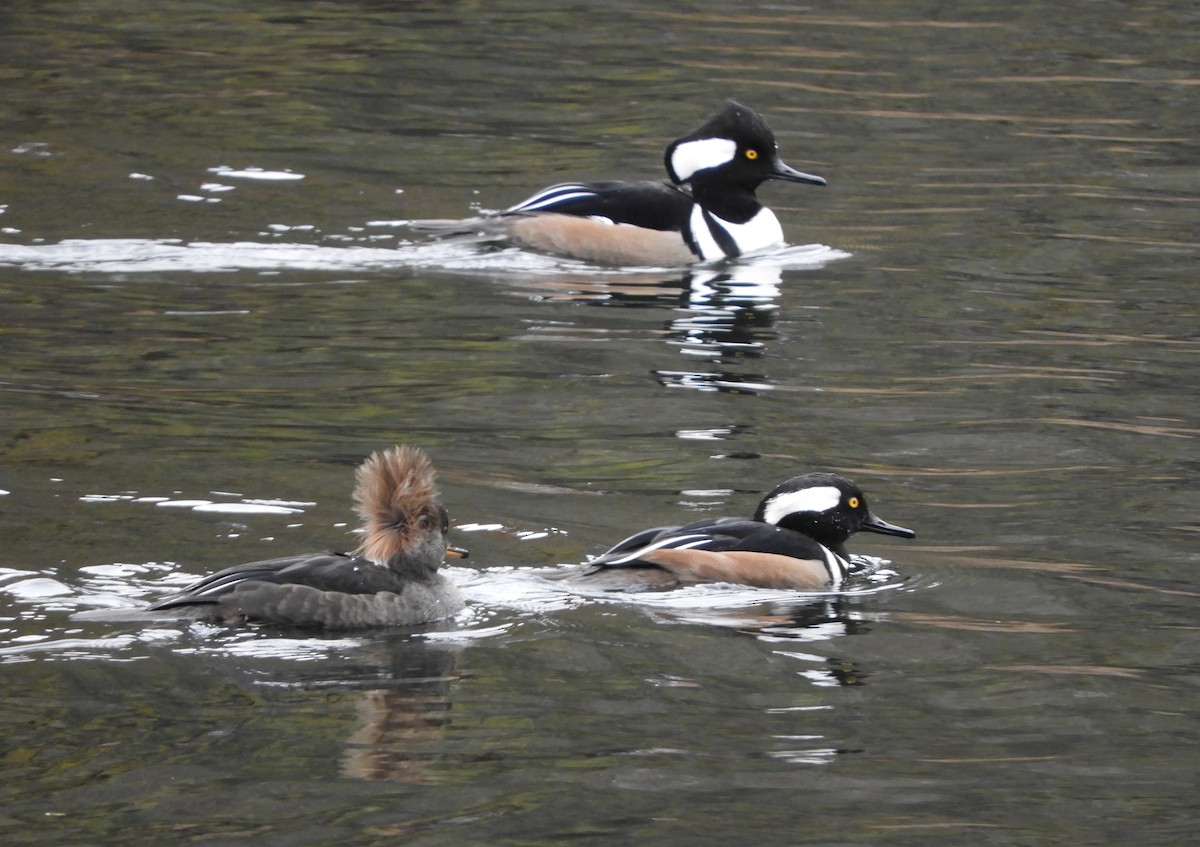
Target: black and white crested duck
(796, 539)
(707, 212)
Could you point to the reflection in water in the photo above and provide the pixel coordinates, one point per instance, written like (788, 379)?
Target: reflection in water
(726, 381)
(725, 306)
(401, 679)
(401, 686)
(816, 620)
(728, 312)
(402, 721)
(767, 614)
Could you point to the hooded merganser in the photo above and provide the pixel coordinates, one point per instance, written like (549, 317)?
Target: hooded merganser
(707, 213)
(796, 539)
(390, 580)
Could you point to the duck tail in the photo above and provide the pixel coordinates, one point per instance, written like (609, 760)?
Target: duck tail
(393, 489)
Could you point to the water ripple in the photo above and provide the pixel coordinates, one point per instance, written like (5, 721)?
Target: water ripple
(138, 255)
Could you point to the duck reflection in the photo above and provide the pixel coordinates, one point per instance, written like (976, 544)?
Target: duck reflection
(726, 314)
(817, 620)
(399, 683)
(726, 308)
(730, 314)
(402, 723)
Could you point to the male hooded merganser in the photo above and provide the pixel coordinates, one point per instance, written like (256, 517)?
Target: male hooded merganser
(796, 539)
(707, 213)
(392, 578)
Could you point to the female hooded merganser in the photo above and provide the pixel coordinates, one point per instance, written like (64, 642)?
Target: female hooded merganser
(796, 539)
(392, 578)
(708, 212)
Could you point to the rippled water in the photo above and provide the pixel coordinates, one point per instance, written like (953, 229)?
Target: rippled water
(213, 310)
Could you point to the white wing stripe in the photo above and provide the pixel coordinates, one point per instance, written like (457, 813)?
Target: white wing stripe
(553, 195)
(677, 542)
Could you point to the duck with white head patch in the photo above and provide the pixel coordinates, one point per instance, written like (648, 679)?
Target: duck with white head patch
(708, 212)
(796, 539)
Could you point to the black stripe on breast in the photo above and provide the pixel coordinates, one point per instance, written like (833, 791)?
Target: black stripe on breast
(721, 235)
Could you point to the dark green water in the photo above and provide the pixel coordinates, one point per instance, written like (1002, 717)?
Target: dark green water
(207, 297)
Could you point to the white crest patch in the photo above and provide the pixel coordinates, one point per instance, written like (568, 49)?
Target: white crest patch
(820, 498)
(693, 156)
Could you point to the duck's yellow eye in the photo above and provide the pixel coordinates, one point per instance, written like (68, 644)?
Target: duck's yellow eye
(852, 502)
(752, 154)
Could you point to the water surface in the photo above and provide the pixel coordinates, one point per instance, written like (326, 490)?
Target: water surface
(213, 311)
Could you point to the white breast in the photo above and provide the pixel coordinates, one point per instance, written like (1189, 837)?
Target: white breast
(758, 233)
(837, 567)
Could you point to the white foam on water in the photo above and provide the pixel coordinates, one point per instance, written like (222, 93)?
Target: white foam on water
(139, 255)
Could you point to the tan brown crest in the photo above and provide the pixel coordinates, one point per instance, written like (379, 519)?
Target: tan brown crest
(394, 489)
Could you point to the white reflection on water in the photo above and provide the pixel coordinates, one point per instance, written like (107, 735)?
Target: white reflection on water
(256, 174)
(68, 648)
(246, 506)
(291, 649)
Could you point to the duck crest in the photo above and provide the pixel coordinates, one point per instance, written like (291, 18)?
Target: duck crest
(716, 142)
(395, 495)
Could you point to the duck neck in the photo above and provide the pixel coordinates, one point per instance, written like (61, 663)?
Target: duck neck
(838, 548)
(830, 533)
(733, 203)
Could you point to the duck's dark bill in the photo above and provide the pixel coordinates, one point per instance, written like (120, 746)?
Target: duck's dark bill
(874, 524)
(456, 553)
(790, 174)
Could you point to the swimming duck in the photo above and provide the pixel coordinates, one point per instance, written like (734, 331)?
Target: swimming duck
(796, 540)
(707, 212)
(392, 578)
